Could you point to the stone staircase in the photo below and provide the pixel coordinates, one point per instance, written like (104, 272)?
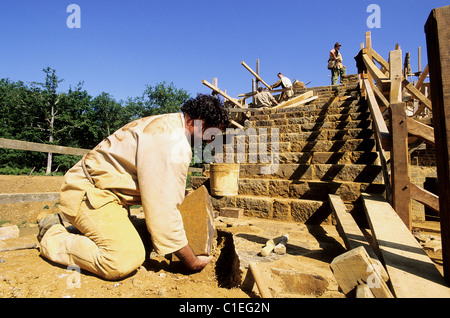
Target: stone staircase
(325, 146)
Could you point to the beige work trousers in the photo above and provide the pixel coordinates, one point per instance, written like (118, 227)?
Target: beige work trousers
(110, 247)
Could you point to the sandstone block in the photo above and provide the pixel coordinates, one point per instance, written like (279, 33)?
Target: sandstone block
(255, 206)
(198, 219)
(232, 212)
(253, 186)
(282, 209)
(355, 267)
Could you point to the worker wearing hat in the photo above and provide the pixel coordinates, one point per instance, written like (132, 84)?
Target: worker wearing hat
(335, 64)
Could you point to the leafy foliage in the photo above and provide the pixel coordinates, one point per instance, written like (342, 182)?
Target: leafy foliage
(38, 112)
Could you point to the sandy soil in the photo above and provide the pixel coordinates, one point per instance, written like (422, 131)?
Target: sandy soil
(302, 272)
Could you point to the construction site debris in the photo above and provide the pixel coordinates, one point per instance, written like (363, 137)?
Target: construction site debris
(280, 248)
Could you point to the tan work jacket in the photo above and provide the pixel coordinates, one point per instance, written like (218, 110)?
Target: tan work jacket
(145, 162)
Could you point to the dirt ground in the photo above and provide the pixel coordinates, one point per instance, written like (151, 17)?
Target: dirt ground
(302, 272)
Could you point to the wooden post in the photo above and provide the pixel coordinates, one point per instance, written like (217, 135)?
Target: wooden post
(257, 72)
(438, 40)
(369, 53)
(420, 59)
(401, 199)
(255, 75)
(395, 76)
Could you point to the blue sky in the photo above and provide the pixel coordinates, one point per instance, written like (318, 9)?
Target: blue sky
(122, 46)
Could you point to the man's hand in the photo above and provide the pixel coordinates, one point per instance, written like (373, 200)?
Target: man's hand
(190, 260)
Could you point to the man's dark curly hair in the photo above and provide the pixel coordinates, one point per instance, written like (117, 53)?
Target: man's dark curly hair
(209, 108)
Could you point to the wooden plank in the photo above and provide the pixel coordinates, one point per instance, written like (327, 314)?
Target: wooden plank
(33, 146)
(259, 280)
(417, 94)
(412, 273)
(296, 99)
(377, 57)
(378, 76)
(425, 197)
(382, 135)
(401, 200)
(219, 91)
(438, 41)
(305, 101)
(349, 231)
(243, 110)
(395, 76)
(254, 74)
(376, 113)
(423, 131)
(247, 95)
(368, 51)
(380, 95)
(28, 197)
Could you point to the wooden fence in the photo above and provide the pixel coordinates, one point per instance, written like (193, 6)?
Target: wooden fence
(32, 146)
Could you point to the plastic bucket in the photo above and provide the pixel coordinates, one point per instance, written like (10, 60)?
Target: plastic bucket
(224, 179)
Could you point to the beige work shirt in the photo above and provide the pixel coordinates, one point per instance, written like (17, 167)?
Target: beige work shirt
(337, 58)
(145, 162)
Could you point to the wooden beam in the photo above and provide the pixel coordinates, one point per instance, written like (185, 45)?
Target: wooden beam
(305, 101)
(438, 41)
(376, 114)
(422, 77)
(425, 197)
(417, 94)
(378, 76)
(33, 146)
(401, 199)
(347, 228)
(395, 76)
(296, 100)
(219, 91)
(380, 95)
(242, 110)
(260, 282)
(423, 131)
(254, 74)
(377, 57)
(247, 95)
(368, 50)
(412, 273)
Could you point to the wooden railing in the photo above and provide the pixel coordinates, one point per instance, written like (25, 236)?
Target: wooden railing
(383, 89)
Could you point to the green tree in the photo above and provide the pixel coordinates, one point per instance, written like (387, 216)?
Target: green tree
(48, 99)
(107, 114)
(163, 98)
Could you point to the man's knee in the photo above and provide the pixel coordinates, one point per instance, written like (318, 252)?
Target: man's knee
(120, 264)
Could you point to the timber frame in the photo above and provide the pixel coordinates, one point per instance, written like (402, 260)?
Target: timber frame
(385, 89)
